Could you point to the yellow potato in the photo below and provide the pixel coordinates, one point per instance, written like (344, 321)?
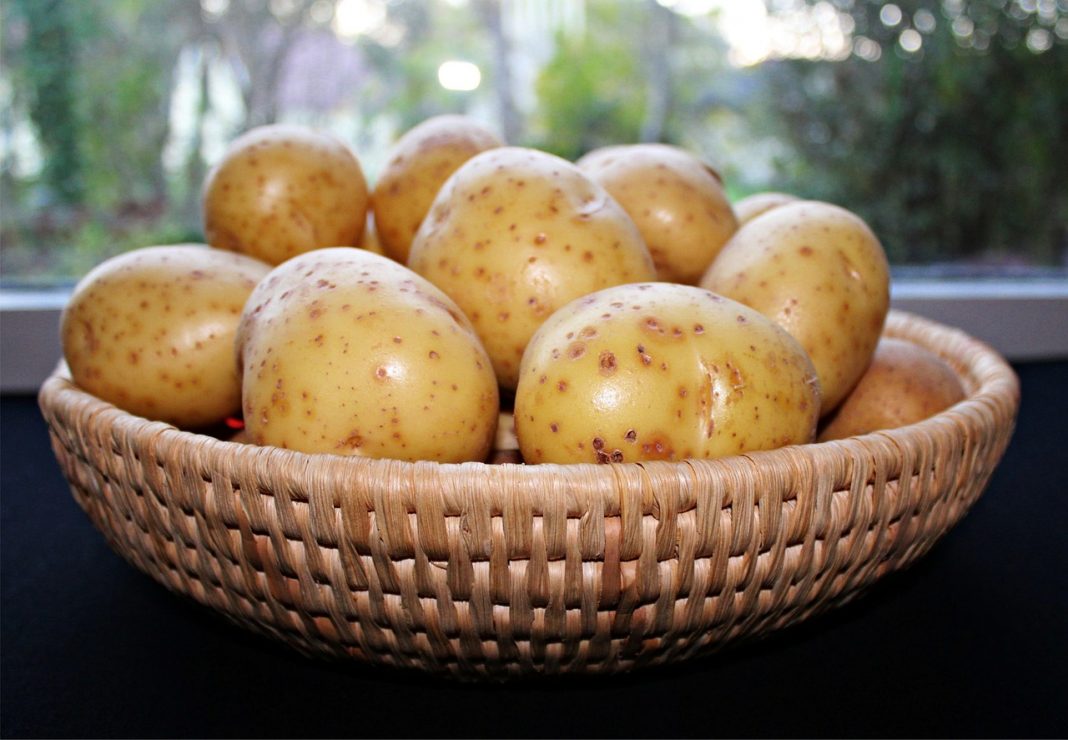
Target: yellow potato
(416, 168)
(281, 190)
(152, 331)
(348, 352)
(819, 272)
(904, 384)
(660, 371)
(676, 200)
(753, 205)
(516, 233)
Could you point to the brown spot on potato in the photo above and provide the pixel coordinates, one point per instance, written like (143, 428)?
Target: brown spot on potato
(658, 448)
(607, 362)
(576, 350)
(353, 441)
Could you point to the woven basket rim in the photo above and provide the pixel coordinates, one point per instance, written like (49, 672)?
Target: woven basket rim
(990, 384)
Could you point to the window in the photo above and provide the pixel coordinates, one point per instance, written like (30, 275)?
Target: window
(944, 123)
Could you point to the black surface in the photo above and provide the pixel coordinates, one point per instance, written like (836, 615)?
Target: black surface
(971, 641)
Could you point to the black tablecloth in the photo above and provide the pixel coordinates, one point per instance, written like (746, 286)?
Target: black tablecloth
(970, 641)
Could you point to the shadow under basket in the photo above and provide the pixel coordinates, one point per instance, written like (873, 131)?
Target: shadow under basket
(479, 570)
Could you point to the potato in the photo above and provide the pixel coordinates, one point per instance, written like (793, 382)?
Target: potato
(348, 352)
(676, 201)
(820, 273)
(152, 331)
(753, 205)
(281, 190)
(516, 233)
(416, 168)
(660, 371)
(904, 384)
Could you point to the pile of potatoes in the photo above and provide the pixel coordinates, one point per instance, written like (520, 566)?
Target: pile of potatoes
(615, 309)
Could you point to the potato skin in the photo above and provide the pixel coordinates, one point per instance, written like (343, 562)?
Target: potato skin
(347, 352)
(751, 206)
(675, 199)
(416, 168)
(819, 272)
(659, 371)
(152, 331)
(281, 190)
(516, 233)
(904, 384)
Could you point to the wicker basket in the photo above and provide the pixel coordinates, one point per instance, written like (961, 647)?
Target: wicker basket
(500, 570)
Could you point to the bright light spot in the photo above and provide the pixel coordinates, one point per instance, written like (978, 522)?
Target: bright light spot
(953, 7)
(910, 40)
(924, 21)
(354, 18)
(745, 28)
(890, 15)
(321, 11)
(963, 27)
(455, 75)
(283, 8)
(215, 8)
(867, 49)
(819, 31)
(607, 398)
(1039, 40)
(1061, 29)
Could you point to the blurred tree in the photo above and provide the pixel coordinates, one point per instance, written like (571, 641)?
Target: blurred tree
(48, 71)
(950, 139)
(656, 43)
(591, 94)
(503, 88)
(410, 67)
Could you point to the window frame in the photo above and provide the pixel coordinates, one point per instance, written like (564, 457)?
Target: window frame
(1023, 319)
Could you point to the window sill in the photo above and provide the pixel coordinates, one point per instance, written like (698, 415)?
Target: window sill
(1022, 319)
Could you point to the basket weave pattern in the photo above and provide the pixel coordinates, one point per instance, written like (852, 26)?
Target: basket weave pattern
(498, 570)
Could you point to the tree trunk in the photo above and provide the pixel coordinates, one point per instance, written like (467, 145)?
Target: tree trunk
(194, 163)
(52, 63)
(656, 49)
(510, 122)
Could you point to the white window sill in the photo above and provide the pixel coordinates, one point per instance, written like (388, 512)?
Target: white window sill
(1022, 319)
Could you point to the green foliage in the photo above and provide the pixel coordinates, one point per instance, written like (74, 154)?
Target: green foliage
(956, 151)
(127, 102)
(948, 153)
(49, 74)
(591, 93)
(406, 82)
